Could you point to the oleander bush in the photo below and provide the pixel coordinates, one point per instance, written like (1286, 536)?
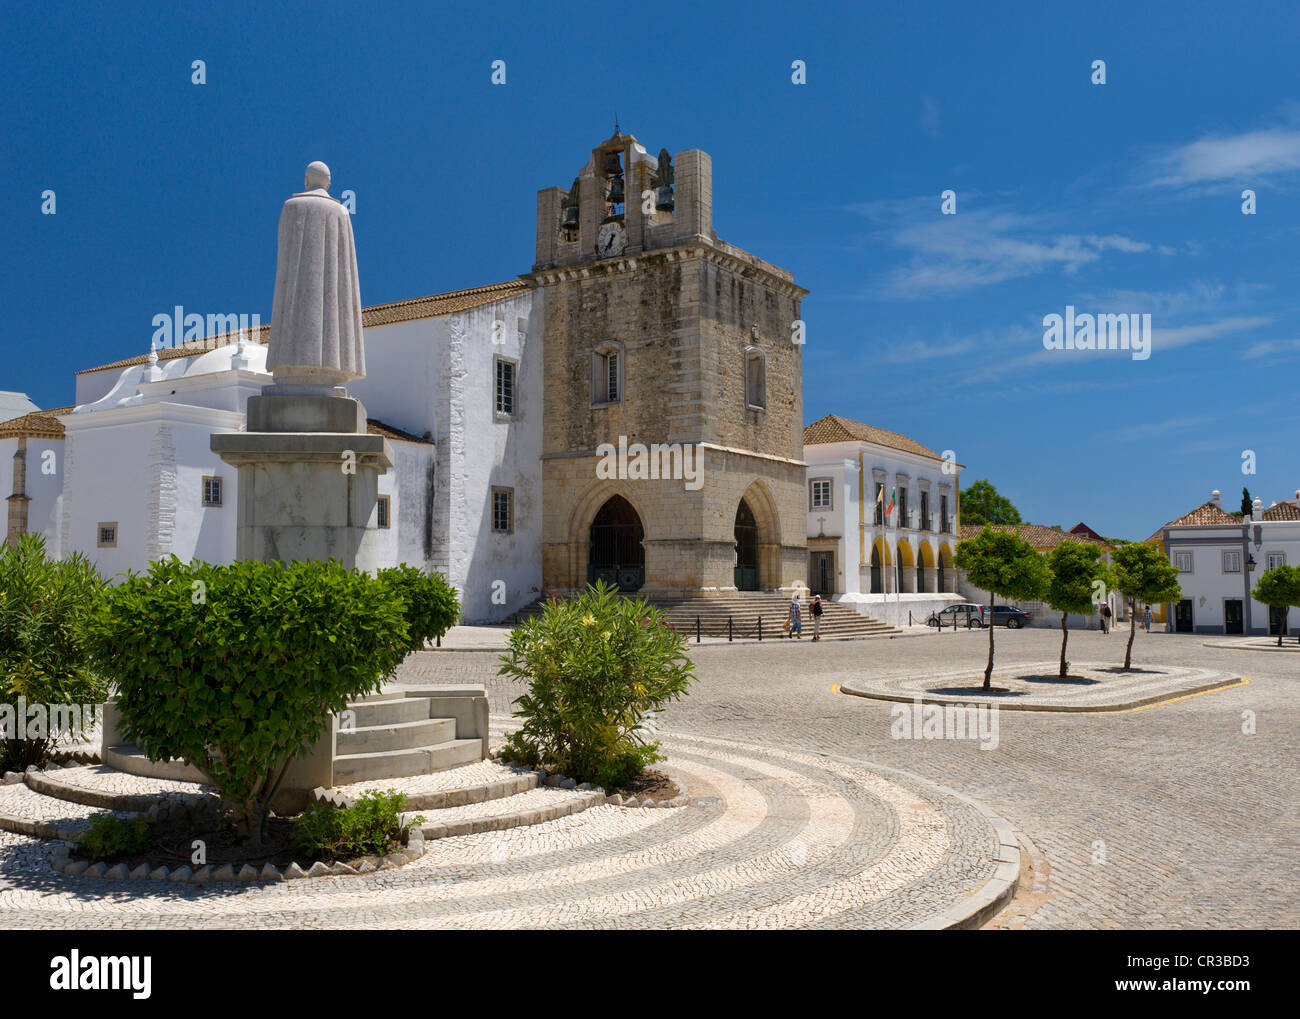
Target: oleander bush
(110, 837)
(432, 607)
(237, 669)
(44, 655)
(373, 826)
(598, 667)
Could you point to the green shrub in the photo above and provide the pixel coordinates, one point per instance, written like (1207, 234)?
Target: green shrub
(372, 826)
(44, 657)
(110, 837)
(598, 667)
(237, 669)
(432, 607)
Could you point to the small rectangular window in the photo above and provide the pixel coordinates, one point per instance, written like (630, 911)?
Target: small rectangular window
(382, 511)
(1231, 562)
(1276, 559)
(107, 535)
(505, 388)
(211, 491)
(756, 380)
(503, 510)
(1183, 562)
(821, 494)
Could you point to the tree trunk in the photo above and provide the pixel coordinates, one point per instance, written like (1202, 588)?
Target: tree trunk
(1132, 632)
(988, 669)
(1065, 637)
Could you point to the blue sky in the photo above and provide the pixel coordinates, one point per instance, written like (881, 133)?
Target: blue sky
(1123, 197)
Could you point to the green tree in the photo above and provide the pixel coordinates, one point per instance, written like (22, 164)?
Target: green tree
(237, 669)
(1077, 569)
(1143, 574)
(1005, 566)
(598, 667)
(44, 656)
(432, 607)
(1279, 588)
(1247, 504)
(981, 504)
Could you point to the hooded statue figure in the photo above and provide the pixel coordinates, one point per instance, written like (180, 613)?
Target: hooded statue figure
(316, 342)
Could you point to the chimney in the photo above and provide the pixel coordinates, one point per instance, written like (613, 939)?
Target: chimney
(1257, 510)
(1216, 497)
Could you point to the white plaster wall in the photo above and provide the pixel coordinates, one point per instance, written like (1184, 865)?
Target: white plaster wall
(200, 532)
(480, 452)
(402, 374)
(45, 490)
(894, 609)
(107, 478)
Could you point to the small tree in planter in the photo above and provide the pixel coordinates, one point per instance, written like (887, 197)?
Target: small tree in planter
(1279, 588)
(598, 666)
(44, 657)
(1005, 565)
(1143, 574)
(432, 607)
(1076, 569)
(237, 669)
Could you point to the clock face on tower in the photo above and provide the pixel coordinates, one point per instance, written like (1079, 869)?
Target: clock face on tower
(611, 239)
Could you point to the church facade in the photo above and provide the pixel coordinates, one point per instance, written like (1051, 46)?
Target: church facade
(630, 409)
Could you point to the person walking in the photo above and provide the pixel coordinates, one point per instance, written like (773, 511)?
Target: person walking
(1104, 613)
(817, 616)
(796, 618)
(1146, 619)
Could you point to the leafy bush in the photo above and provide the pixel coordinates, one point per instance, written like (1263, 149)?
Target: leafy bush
(44, 657)
(598, 666)
(432, 607)
(110, 837)
(237, 669)
(373, 826)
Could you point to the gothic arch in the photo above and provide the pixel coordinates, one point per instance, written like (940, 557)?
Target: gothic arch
(584, 514)
(767, 522)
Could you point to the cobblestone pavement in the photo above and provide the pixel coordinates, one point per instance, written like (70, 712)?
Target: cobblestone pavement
(773, 838)
(1167, 815)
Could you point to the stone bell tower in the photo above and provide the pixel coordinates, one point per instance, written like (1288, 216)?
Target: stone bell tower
(673, 413)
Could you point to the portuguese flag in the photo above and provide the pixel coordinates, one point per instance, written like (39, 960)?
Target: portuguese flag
(890, 508)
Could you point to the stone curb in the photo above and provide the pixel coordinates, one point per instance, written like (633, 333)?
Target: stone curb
(48, 785)
(522, 818)
(246, 873)
(521, 782)
(1293, 649)
(680, 798)
(1078, 708)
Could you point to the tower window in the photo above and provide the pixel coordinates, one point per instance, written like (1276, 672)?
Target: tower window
(211, 491)
(607, 373)
(755, 379)
(107, 535)
(505, 387)
(382, 518)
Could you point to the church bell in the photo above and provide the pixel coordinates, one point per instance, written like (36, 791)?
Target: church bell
(616, 193)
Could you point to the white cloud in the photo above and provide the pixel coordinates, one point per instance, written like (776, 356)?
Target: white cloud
(1242, 157)
(1267, 348)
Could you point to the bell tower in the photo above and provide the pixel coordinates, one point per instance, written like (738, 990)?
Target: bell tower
(673, 411)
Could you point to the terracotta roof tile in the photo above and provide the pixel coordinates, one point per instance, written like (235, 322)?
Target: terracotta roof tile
(1283, 511)
(833, 428)
(375, 427)
(41, 424)
(1205, 514)
(376, 315)
(1039, 536)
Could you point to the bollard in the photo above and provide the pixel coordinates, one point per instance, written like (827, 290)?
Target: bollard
(909, 617)
(697, 629)
(760, 629)
(439, 640)
(728, 629)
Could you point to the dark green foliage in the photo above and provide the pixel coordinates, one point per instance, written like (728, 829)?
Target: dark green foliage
(1144, 576)
(237, 669)
(1247, 503)
(1077, 571)
(371, 827)
(981, 504)
(598, 666)
(1006, 566)
(110, 837)
(1279, 588)
(44, 657)
(432, 607)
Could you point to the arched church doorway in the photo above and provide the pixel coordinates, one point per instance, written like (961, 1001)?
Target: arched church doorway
(746, 533)
(617, 555)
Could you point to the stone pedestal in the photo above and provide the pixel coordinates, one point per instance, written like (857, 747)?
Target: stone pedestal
(308, 480)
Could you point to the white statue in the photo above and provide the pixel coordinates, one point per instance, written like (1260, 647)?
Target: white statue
(316, 342)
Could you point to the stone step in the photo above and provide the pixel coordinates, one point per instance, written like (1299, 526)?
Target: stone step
(373, 739)
(109, 789)
(27, 812)
(365, 767)
(390, 711)
(533, 807)
(455, 787)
